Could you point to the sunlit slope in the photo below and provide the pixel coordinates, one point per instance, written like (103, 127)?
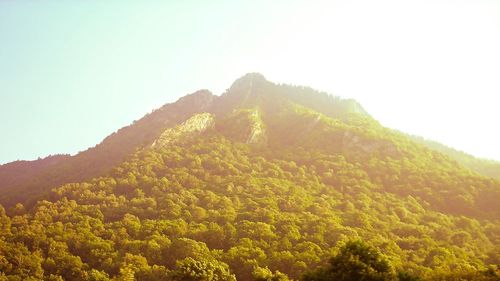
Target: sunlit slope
(233, 188)
(394, 162)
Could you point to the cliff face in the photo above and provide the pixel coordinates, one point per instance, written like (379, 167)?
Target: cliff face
(196, 124)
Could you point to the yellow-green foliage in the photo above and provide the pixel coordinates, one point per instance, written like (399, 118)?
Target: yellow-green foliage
(225, 202)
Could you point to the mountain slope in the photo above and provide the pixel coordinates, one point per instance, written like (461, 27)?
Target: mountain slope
(25, 181)
(260, 179)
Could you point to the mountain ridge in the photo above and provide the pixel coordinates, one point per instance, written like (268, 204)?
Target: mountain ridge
(252, 90)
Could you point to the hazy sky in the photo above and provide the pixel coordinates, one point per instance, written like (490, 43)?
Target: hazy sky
(72, 72)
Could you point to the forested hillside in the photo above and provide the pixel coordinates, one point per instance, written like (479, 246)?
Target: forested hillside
(269, 182)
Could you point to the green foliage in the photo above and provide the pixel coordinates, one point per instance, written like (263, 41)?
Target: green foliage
(264, 274)
(190, 269)
(356, 261)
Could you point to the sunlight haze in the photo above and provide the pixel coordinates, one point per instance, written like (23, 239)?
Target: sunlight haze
(72, 73)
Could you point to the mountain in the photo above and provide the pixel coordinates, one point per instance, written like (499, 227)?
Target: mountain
(25, 181)
(265, 182)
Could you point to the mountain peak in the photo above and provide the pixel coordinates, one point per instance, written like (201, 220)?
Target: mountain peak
(248, 81)
(253, 76)
(247, 91)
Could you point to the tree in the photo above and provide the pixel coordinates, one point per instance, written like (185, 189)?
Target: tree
(355, 261)
(264, 274)
(190, 269)
(96, 275)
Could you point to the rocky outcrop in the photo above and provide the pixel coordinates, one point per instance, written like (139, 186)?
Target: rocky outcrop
(257, 129)
(196, 124)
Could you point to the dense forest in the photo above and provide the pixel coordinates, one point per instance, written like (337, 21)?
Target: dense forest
(269, 182)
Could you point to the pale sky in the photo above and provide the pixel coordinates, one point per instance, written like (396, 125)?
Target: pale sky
(72, 72)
